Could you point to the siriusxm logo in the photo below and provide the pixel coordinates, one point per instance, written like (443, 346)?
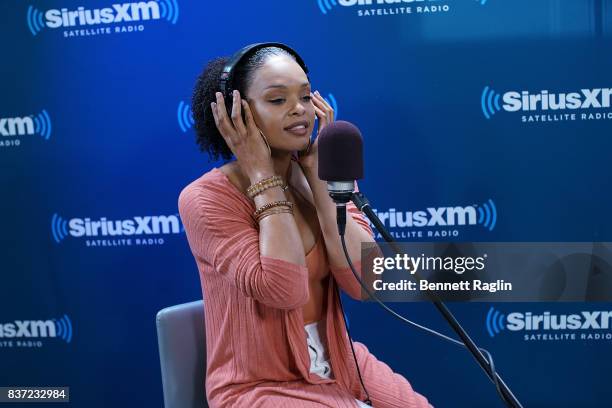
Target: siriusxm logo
(39, 124)
(31, 329)
(114, 14)
(496, 322)
(484, 214)
(514, 101)
(136, 226)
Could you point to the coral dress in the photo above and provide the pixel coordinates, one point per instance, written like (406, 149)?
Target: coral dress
(256, 345)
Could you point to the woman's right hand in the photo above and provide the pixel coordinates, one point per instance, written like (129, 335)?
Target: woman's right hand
(243, 139)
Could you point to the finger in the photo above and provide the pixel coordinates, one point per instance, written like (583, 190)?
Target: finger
(213, 108)
(248, 115)
(227, 139)
(224, 125)
(324, 105)
(322, 116)
(237, 114)
(321, 99)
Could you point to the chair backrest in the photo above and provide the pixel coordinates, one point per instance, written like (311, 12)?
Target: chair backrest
(181, 337)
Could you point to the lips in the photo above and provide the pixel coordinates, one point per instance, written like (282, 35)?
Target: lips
(301, 125)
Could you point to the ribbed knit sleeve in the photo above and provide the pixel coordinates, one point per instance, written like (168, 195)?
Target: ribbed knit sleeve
(222, 234)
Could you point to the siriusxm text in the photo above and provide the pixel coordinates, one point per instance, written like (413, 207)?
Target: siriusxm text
(116, 13)
(136, 226)
(544, 100)
(28, 328)
(585, 320)
(16, 126)
(348, 3)
(441, 216)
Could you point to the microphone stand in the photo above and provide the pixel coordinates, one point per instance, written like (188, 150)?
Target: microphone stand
(364, 206)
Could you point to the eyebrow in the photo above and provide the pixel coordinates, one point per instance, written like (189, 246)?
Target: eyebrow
(305, 84)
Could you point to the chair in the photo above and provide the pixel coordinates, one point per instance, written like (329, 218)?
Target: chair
(181, 339)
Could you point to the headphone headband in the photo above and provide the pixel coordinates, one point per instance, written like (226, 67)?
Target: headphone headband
(225, 81)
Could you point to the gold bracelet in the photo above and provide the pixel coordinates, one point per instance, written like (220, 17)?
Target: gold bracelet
(264, 188)
(263, 185)
(272, 204)
(272, 211)
(257, 186)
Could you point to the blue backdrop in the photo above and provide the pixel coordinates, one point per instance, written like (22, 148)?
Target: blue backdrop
(449, 95)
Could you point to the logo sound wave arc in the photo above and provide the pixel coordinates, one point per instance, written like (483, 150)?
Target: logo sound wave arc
(495, 322)
(489, 102)
(169, 10)
(184, 116)
(59, 228)
(42, 124)
(34, 18)
(63, 328)
(487, 215)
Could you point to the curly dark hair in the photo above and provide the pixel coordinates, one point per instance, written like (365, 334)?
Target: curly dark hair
(208, 136)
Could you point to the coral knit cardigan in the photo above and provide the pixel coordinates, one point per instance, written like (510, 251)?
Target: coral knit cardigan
(256, 346)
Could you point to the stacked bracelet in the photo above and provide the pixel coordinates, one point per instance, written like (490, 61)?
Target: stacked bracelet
(287, 206)
(272, 204)
(263, 185)
(272, 211)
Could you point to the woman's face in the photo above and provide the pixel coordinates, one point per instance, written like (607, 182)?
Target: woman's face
(279, 97)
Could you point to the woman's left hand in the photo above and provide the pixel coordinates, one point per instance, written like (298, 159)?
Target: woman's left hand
(325, 114)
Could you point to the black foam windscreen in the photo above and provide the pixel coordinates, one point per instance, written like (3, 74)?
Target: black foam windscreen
(340, 152)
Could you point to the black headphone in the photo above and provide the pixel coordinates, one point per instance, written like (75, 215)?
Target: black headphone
(226, 85)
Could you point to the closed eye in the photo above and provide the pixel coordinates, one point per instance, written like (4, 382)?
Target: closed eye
(280, 100)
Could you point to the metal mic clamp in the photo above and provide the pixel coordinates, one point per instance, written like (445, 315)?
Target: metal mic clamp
(341, 192)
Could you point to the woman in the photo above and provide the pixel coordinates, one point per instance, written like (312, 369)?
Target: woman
(263, 232)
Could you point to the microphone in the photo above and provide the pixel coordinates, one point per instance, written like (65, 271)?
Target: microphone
(340, 164)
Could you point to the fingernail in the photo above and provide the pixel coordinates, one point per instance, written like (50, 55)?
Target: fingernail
(317, 92)
(217, 94)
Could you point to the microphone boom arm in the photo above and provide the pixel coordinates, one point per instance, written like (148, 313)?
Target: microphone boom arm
(362, 203)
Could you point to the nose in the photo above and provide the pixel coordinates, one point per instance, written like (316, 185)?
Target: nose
(298, 108)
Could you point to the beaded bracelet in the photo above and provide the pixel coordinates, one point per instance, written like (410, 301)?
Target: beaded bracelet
(273, 204)
(272, 211)
(262, 185)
